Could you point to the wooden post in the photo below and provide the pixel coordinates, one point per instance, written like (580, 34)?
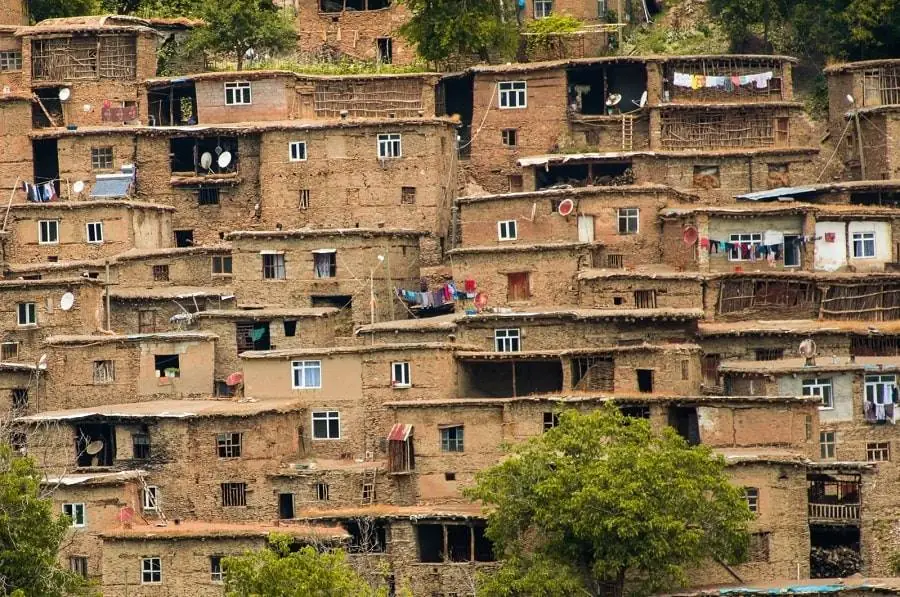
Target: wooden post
(106, 290)
(9, 203)
(859, 143)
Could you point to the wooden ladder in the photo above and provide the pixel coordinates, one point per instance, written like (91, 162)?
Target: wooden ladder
(159, 513)
(627, 132)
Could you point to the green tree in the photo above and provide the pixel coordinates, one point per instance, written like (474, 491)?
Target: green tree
(603, 498)
(279, 572)
(49, 9)
(30, 533)
(444, 29)
(153, 8)
(235, 26)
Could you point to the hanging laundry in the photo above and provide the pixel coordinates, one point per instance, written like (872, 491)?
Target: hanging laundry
(470, 285)
(736, 81)
(729, 84)
(698, 81)
(762, 80)
(773, 237)
(715, 81)
(681, 80)
(48, 191)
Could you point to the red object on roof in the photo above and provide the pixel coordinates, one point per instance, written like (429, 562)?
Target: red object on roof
(400, 432)
(690, 235)
(566, 207)
(235, 378)
(126, 514)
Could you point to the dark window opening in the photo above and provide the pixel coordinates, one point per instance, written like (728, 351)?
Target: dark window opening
(47, 110)
(431, 542)
(46, 162)
(834, 550)
(458, 543)
(580, 175)
(385, 46)
(366, 535)
(184, 238)
(20, 398)
(684, 420)
(285, 506)
(343, 325)
(160, 273)
(635, 411)
(252, 335)
(290, 328)
(551, 420)
(874, 346)
(593, 374)
(885, 198)
(95, 444)
(234, 494)
(644, 380)
(507, 379)
(203, 156)
(449, 476)
(453, 543)
(407, 195)
(768, 354)
(208, 196)
(140, 444)
(589, 88)
(166, 365)
(172, 105)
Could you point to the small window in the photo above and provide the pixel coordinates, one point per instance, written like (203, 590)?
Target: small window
(400, 375)
(389, 146)
(167, 365)
(543, 8)
(821, 387)
(184, 238)
(644, 380)
(759, 547)
(303, 203)
(151, 571)
(518, 286)
(160, 273)
(863, 245)
(9, 351)
(104, 372)
(507, 340)
(743, 246)
(685, 370)
(628, 220)
(307, 374)
(449, 476)
(645, 299)
(513, 95)
(273, 266)
(95, 233)
(515, 182)
(407, 195)
(297, 151)
(322, 493)
(551, 420)
(76, 512)
(506, 230)
(325, 264)
(27, 313)
(707, 177)
(452, 438)
(19, 398)
(234, 494)
(751, 496)
(826, 445)
(368, 493)
(768, 354)
(326, 424)
(10, 60)
(150, 498)
(290, 328)
(615, 261)
(385, 48)
(78, 564)
(510, 137)
(237, 93)
(221, 265)
(878, 451)
(101, 158)
(229, 445)
(208, 196)
(146, 321)
(140, 446)
(215, 569)
(48, 232)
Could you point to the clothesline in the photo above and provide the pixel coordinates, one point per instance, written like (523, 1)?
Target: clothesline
(447, 293)
(729, 83)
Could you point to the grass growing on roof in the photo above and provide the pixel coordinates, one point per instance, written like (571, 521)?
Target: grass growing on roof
(342, 67)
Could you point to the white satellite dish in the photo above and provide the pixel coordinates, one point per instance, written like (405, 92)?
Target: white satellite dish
(64, 94)
(808, 351)
(206, 160)
(224, 159)
(850, 99)
(643, 101)
(95, 447)
(42, 362)
(67, 301)
(78, 186)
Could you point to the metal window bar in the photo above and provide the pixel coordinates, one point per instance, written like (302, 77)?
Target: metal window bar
(234, 494)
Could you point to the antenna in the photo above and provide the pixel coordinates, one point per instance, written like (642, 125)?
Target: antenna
(808, 350)
(64, 94)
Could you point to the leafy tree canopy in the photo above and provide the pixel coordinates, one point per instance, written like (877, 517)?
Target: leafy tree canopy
(48, 9)
(153, 8)
(603, 497)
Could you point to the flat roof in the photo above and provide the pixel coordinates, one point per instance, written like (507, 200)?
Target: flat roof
(562, 158)
(298, 312)
(517, 247)
(650, 272)
(438, 323)
(462, 510)
(257, 74)
(169, 292)
(17, 367)
(223, 530)
(104, 478)
(796, 327)
(591, 397)
(822, 211)
(588, 314)
(862, 64)
(284, 353)
(812, 587)
(762, 455)
(172, 409)
(551, 64)
(109, 339)
(323, 233)
(90, 23)
(90, 204)
(824, 364)
(49, 282)
(129, 255)
(575, 192)
(485, 355)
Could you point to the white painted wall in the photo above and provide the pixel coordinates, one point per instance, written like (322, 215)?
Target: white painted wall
(831, 256)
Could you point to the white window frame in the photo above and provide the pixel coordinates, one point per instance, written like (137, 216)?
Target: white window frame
(278, 267)
(390, 146)
(862, 240)
(215, 576)
(44, 227)
(400, 375)
(505, 339)
(294, 151)
(827, 444)
(298, 374)
(874, 385)
(71, 510)
(545, 10)
(148, 504)
(96, 227)
(628, 216)
(225, 442)
(30, 313)
(743, 238)
(513, 95)
(507, 230)
(147, 570)
(239, 92)
(327, 416)
(751, 496)
(823, 387)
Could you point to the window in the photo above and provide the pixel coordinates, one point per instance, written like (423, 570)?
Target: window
(707, 177)
(150, 497)
(184, 238)
(821, 388)
(104, 372)
(215, 569)
(407, 195)
(160, 273)
(389, 146)
(615, 261)
(863, 245)
(326, 424)
(9, 351)
(229, 445)
(878, 451)
(273, 266)
(285, 506)
(506, 230)
(768, 354)
(400, 375)
(79, 565)
(513, 95)
(644, 380)
(880, 389)
(452, 438)
(510, 137)
(146, 321)
(645, 299)
(542, 8)
(322, 493)
(826, 444)
(10, 60)
(507, 340)
(515, 182)
(95, 232)
(151, 571)
(518, 286)
(140, 446)
(237, 93)
(551, 420)
(307, 374)
(76, 513)
(234, 494)
(297, 151)
(290, 327)
(751, 496)
(167, 365)
(628, 220)
(601, 9)
(385, 48)
(759, 547)
(742, 245)
(101, 158)
(303, 202)
(19, 398)
(221, 265)
(368, 493)
(325, 263)
(48, 232)
(27, 313)
(208, 196)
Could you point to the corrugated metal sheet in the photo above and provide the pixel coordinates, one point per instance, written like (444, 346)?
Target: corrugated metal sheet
(113, 186)
(779, 192)
(400, 433)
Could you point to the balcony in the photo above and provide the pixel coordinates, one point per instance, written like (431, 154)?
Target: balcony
(833, 512)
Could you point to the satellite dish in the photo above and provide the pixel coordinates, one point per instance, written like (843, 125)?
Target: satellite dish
(643, 101)
(224, 159)
(78, 186)
(689, 235)
(566, 207)
(86, 107)
(206, 160)
(481, 300)
(95, 447)
(235, 378)
(64, 94)
(808, 350)
(613, 99)
(67, 301)
(42, 362)
(850, 99)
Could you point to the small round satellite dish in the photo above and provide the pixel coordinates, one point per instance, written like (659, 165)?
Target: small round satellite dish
(86, 107)
(42, 362)
(95, 447)
(206, 160)
(481, 300)
(225, 159)
(808, 348)
(235, 378)
(643, 101)
(566, 207)
(67, 301)
(78, 186)
(64, 94)
(689, 235)
(850, 99)
(614, 99)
